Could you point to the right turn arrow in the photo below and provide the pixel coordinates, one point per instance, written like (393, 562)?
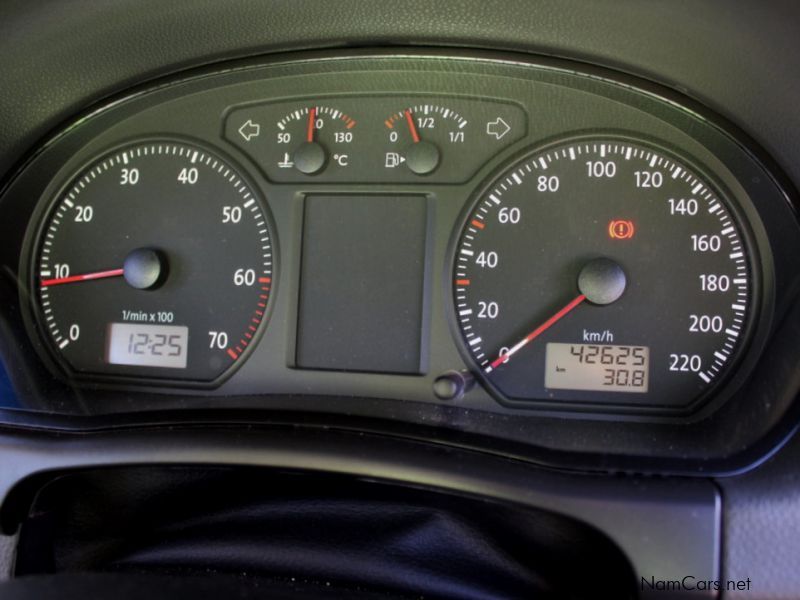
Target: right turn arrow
(498, 128)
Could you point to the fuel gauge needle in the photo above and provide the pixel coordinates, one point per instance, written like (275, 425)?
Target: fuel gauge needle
(83, 277)
(422, 157)
(412, 127)
(535, 333)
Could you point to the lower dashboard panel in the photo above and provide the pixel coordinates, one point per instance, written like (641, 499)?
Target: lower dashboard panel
(645, 519)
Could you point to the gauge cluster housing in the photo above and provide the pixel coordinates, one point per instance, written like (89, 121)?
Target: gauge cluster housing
(512, 105)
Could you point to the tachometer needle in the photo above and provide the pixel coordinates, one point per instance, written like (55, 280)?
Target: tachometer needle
(412, 127)
(84, 277)
(535, 333)
(312, 120)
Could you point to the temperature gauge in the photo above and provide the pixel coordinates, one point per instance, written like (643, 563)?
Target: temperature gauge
(293, 143)
(307, 136)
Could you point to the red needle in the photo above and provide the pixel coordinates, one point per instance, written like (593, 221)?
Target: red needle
(535, 333)
(412, 127)
(312, 117)
(84, 277)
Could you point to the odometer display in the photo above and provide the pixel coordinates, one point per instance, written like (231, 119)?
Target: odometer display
(153, 263)
(598, 368)
(604, 244)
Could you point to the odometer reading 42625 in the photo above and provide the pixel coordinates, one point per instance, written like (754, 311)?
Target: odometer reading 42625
(603, 271)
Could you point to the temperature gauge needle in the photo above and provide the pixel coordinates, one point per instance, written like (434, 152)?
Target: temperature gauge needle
(535, 333)
(84, 277)
(312, 119)
(310, 157)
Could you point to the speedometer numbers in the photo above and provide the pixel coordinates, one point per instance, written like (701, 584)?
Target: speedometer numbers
(603, 271)
(155, 262)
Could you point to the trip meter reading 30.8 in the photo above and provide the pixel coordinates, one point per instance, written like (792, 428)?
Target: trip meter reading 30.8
(603, 271)
(154, 263)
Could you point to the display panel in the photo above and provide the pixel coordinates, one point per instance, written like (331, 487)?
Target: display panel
(147, 345)
(362, 282)
(599, 368)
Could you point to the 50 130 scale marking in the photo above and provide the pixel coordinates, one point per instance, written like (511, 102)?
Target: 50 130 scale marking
(594, 237)
(119, 269)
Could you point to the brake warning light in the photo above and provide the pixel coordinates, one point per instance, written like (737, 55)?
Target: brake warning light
(619, 229)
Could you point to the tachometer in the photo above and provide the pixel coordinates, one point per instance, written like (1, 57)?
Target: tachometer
(156, 262)
(603, 271)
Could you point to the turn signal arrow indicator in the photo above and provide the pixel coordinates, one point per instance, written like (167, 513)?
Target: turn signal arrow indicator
(249, 130)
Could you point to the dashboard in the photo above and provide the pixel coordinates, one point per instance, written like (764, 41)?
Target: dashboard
(537, 277)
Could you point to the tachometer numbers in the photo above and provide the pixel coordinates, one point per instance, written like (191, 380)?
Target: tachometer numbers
(155, 262)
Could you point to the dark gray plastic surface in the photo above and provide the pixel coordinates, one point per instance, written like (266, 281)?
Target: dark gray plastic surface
(737, 56)
(668, 528)
(361, 283)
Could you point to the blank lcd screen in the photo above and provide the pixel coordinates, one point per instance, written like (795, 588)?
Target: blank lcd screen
(361, 284)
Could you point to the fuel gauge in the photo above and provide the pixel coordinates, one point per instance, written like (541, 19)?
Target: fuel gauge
(444, 140)
(419, 134)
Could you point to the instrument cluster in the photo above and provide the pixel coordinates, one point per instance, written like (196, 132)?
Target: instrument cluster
(480, 234)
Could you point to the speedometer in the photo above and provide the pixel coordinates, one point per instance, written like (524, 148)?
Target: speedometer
(603, 271)
(154, 263)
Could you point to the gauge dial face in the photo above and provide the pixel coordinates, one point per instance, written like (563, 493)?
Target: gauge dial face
(420, 134)
(603, 271)
(310, 138)
(155, 262)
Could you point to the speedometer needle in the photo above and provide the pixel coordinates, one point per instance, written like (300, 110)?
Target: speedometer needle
(84, 277)
(535, 333)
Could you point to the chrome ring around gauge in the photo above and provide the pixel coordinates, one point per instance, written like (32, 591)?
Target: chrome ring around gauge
(569, 270)
(154, 262)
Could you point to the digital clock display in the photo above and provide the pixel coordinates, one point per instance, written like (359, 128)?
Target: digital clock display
(597, 367)
(147, 345)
